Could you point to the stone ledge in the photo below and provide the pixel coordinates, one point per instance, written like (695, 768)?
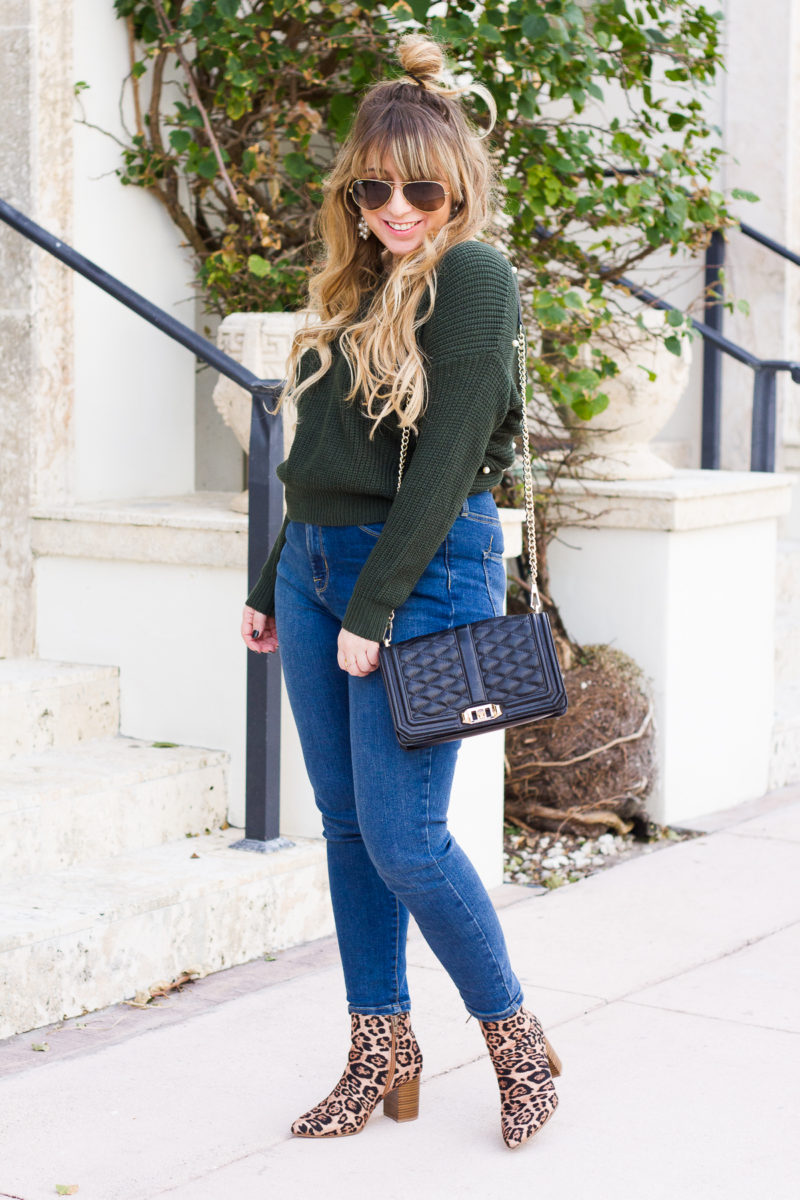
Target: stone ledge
(195, 530)
(687, 500)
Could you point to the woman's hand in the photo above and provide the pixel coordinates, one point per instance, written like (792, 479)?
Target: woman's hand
(258, 631)
(356, 655)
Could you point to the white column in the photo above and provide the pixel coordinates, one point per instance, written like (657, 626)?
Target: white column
(680, 574)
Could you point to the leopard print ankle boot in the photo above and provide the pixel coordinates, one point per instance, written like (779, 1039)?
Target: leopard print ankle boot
(525, 1064)
(384, 1063)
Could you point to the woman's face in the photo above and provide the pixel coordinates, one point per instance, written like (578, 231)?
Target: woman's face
(399, 226)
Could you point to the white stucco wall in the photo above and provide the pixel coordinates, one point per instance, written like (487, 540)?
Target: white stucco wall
(134, 389)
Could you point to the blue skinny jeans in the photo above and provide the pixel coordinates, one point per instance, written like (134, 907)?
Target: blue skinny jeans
(384, 809)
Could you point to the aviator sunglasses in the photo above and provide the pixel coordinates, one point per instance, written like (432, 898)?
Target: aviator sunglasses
(423, 194)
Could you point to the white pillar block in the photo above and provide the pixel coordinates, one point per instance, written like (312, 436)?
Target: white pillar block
(680, 574)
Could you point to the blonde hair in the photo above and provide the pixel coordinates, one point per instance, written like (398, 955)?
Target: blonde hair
(419, 121)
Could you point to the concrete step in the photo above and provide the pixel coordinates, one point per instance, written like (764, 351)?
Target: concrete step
(788, 579)
(63, 807)
(54, 704)
(74, 941)
(785, 759)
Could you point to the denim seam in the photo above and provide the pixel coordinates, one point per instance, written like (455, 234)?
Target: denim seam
(396, 950)
(449, 881)
(320, 590)
(487, 557)
(446, 551)
(480, 519)
(371, 532)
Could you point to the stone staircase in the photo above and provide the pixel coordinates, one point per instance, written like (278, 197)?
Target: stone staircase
(785, 765)
(115, 863)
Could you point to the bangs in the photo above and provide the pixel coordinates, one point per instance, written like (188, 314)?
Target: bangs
(412, 154)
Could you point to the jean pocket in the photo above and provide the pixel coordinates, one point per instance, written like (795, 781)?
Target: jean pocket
(374, 531)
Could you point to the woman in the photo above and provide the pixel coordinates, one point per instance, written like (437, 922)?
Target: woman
(417, 327)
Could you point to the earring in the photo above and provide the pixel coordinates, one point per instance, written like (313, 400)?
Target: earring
(363, 228)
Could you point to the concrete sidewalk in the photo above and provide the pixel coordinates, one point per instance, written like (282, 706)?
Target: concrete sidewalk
(669, 985)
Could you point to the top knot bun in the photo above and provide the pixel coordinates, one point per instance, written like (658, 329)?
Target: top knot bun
(420, 56)
(423, 61)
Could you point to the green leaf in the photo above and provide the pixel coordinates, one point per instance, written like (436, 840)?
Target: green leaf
(190, 116)
(535, 26)
(526, 104)
(419, 9)
(228, 8)
(258, 266)
(743, 307)
(164, 745)
(674, 317)
(180, 140)
(297, 166)
(208, 166)
(342, 108)
(673, 345)
(743, 194)
(655, 35)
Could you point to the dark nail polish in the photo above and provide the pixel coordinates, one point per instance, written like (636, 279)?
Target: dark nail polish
(256, 634)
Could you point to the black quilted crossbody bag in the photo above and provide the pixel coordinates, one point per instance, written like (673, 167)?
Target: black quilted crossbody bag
(487, 675)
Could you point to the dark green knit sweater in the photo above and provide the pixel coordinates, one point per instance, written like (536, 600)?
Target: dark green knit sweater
(336, 475)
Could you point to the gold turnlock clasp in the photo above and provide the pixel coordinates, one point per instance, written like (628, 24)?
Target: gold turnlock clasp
(481, 712)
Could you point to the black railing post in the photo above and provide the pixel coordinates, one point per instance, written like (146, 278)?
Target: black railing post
(765, 396)
(262, 789)
(712, 356)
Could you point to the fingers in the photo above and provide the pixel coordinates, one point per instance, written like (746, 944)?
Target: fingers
(356, 655)
(258, 631)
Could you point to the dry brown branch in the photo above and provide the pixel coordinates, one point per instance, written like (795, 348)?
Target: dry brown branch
(137, 100)
(591, 817)
(568, 762)
(194, 93)
(585, 765)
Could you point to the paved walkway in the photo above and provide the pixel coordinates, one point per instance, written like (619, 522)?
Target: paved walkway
(669, 985)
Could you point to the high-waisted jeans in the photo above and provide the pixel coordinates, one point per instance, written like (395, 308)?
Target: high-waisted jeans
(384, 809)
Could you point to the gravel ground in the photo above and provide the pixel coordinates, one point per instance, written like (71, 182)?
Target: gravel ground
(549, 860)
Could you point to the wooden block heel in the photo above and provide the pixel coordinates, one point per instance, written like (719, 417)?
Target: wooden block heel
(553, 1061)
(402, 1104)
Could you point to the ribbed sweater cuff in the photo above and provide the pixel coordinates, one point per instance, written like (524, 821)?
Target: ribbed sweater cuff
(262, 597)
(365, 618)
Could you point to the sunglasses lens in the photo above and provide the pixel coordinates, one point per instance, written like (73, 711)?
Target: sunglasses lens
(371, 193)
(425, 195)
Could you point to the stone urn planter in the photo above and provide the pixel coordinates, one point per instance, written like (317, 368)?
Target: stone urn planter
(260, 342)
(614, 443)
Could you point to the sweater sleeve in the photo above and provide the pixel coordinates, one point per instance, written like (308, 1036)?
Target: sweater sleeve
(470, 385)
(262, 596)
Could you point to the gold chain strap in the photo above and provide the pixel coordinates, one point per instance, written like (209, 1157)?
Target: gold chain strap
(527, 476)
(527, 472)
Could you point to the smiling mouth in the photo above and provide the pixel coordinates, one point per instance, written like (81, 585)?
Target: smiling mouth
(401, 227)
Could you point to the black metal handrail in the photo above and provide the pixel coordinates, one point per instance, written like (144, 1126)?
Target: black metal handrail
(715, 344)
(770, 243)
(764, 418)
(764, 415)
(765, 389)
(262, 787)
